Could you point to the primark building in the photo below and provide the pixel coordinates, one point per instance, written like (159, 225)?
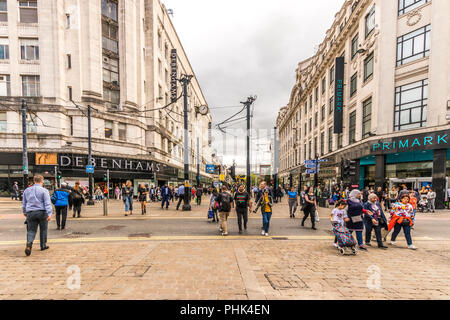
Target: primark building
(377, 91)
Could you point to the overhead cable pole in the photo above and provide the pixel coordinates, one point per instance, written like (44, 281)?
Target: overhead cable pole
(24, 145)
(187, 197)
(248, 104)
(90, 175)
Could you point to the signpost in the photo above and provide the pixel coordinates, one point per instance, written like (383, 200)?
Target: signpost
(89, 169)
(210, 168)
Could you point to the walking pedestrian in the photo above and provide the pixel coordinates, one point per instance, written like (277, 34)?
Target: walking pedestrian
(354, 220)
(214, 205)
(127, 198)
(180, 195)
(338, 214)
(62, 199)
(37, 208)
(266, 204)
(78, 199)
(310, 208)
(15, 191)
(243, 206)
(98, 194)
(292, 202)
(402, 216)
(374, 219)
(431, 197)
(165, 194)
(224, 200)
(142, 196)
(199, 195)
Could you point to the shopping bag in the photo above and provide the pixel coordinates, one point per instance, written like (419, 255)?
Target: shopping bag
(317, 216)
(210, 214)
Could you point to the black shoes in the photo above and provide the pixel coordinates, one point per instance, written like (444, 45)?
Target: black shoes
(240, 231)
(28, 249)
(368, 244)
(45, 248)
(58, 228)
(383, 247)
(313, 228)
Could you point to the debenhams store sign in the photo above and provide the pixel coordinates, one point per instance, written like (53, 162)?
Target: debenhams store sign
(69, 161)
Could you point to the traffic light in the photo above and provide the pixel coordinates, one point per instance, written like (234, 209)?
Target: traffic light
(59, 175)
(105, 177)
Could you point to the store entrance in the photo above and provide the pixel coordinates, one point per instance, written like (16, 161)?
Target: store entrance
(410, 183)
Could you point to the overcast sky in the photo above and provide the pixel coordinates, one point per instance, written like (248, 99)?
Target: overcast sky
(249, 47)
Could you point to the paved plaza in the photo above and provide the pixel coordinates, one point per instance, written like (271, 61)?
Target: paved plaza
(179, 255)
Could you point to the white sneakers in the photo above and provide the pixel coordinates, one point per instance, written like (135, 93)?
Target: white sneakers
(412, 247)
(266, 234)
(263, 232)
(336, 245)
(392, 243)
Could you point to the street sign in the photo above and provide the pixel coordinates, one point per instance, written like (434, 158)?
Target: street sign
(310, 162)
(89, 169)
(308, 171)
(312, 166)
(210, 168)
(323, 160)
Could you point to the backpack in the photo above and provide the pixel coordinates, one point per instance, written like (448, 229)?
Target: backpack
(225, 202)
(54, 197)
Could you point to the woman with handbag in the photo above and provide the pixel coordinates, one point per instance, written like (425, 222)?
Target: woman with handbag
(374, 220)
(310, 208)
(354, 221)
(402, 217)
(142, 195)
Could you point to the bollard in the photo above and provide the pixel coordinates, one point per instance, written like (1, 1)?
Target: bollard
(105, 206)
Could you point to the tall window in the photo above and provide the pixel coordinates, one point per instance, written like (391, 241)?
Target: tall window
(322, 143)
(316, 150)
(310, 101)
(110, 37)
(367, 118)
(353, 84)
(316, 119)
(330, 139)
(3, 123)
(331, 105)
(331, 75)
(3, 11)
(108, 129)
(4, 49)
(414, 45)
(324, 83)
(306, 129)
(340, 140)
(122, 131)
(317, 94)
(111, 96)
(368, 67)
(29, 49)
(306, 108)
(352, 128)
(5, 85)
(411, 105)
(370, 21)
(111, 70)
(354, 46)
(322, 113)
(310, 124)
(31, 86)
(405, 6)
(28, 11)
(109, 9)
(304, 151)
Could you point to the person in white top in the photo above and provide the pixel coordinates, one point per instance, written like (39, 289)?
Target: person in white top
(431, 197)
(338, 215)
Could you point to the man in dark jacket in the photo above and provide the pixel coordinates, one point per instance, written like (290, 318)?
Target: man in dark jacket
(62, 199)
(199, 195)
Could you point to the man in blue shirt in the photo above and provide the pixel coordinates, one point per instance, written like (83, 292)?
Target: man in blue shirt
(165, 194)
(180, 195)
(37, 207)
(293, 202)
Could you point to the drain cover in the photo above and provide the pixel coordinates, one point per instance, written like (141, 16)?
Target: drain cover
(113, 228)
(76, 234)
(285, 281)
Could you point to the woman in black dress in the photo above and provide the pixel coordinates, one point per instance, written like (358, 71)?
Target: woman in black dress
(310, 208)
(142, 195)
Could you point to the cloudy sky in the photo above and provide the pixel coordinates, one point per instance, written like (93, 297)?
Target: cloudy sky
(249, 47)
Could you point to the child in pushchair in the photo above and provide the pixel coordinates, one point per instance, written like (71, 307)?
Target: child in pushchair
(423, 204)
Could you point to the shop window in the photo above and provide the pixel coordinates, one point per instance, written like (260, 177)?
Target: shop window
(31, 86)
(405, 6)
(368, 67)
(367, 118)
(5, 85)
(108, 129)
(29, 49)
(411, 106)
(353, 84)
(413, 46)
(28, 11)
(3, 11)
(3, 123)
(370, 21)
(122, 131)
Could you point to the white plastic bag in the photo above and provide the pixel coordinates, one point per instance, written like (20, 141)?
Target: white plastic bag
(317, 216)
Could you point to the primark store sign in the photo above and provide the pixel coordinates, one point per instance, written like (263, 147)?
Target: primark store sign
(425, 141)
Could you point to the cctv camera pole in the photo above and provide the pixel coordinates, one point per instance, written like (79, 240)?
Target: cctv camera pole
(186, 206)
(91, 187)
(248, 104)
(24, 144)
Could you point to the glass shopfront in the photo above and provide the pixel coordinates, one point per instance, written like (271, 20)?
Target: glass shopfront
(409, 170)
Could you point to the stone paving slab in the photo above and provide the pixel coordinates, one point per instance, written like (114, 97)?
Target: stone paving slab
(227, 269)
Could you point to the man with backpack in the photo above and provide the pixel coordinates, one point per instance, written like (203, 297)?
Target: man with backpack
(199, 195)
(243, 206)
(224, 200)
(62, 198)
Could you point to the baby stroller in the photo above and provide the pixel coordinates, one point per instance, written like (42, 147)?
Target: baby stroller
(422, 205)
(345, 240)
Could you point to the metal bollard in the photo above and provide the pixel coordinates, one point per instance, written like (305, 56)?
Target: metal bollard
(105, 206)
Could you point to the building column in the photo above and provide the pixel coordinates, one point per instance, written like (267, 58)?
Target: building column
(380, 171)
(439, 171)
(362, 176)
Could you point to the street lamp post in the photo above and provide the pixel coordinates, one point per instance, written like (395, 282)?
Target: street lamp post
(186, 206)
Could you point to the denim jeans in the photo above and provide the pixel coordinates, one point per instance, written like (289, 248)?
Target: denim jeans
(128, 204)
(266, 221)
(165, 200)
(359, 237)
(35, 219)
(406, 231)
(292, 206)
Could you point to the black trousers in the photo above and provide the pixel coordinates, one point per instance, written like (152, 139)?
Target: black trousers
(180, 200)
(242, 213)
(77, 210)
(61, 216)
(369, 227)
(310, 211)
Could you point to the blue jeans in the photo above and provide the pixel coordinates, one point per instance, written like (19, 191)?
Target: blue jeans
(166, 201)
(128, 204)
(406, 231)
(359, 237)
(266, 220)
(35, 219)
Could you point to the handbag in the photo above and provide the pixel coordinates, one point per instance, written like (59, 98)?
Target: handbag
(317, 216)
(210, 214)
(356, 219)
